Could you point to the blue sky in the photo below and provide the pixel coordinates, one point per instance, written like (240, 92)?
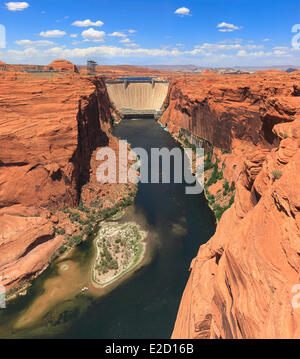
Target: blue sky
(142, 32)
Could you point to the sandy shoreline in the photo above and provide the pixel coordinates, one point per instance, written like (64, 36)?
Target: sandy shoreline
(71, 274)
(137, 261)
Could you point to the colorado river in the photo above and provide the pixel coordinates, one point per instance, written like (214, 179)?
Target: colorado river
(145, 305)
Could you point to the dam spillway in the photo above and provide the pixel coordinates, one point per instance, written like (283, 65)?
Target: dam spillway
(138, 96)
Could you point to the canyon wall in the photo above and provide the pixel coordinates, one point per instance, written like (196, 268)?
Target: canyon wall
(241, 281)
(50, 128)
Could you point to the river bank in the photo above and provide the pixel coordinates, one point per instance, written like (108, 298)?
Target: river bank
(57, 295)
(218, 191)
(144, 302)
(119, 249)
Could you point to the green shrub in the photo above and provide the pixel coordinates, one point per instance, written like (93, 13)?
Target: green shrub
(180, 135)
(60, 232)
(88, 229)
(207, 162)
(277, 173)
(75, 240)
(215, 176)
(75, 217)
(62, 250)
(226, 188)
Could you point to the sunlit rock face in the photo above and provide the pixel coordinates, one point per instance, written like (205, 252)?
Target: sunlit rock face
(50, 129)
(62, 65)
(241, 281)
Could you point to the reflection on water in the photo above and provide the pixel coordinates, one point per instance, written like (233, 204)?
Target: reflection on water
(144, 306)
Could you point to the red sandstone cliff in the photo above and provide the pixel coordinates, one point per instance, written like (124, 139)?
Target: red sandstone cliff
(241, 281)
(50, 128)
(61, 65)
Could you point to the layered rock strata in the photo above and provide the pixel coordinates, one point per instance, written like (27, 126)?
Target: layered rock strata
(241, 282)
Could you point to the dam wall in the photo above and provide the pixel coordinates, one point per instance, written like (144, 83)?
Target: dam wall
(138, 98)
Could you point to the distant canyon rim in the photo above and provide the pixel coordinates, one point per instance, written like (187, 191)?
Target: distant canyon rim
(53, 120)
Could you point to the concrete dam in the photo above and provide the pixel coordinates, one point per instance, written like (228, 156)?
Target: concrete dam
(138, 96)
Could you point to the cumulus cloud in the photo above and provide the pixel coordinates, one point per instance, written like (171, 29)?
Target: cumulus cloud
(38, 43)
(87, 23)
(53, 33)
(131, 44)
(242, 53)
(231, 41)
(117, 34)
(263, 54)
(16, 6)
(204, 54)
(215, 47)
(73, 36)
(131, 31)
(93, 35)
(218, 47)
(31, 54)
(183, 11)
(225, 27)
(124, 41)
(283, 48)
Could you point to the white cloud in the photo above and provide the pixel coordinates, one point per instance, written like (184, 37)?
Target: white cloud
(117, 34)
(82, 53)
(93, 35)
(125, 41)
(263, 54)
(280, 48)
(73, 36)
(281, 53)
(266, 40)
(38, 43)
(183, 11)
(53, 33)
(129, 43)
(242, 53)
(231, 41)
(218, 47)
(131, 31)
(225, 27)
(215, 47)
(207, 54)
(16, 6)
(87, 23)
(253, 47)
(132, 44)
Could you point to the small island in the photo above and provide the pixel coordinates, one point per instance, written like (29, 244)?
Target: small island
(120, 248)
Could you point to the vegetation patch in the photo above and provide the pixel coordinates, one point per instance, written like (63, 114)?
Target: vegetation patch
(224, 197)
(86, 219)
(277, 173)
(120, 248)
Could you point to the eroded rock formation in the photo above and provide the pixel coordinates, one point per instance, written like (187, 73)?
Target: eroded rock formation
(50, 129)
(61, 65)
(241, 281)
